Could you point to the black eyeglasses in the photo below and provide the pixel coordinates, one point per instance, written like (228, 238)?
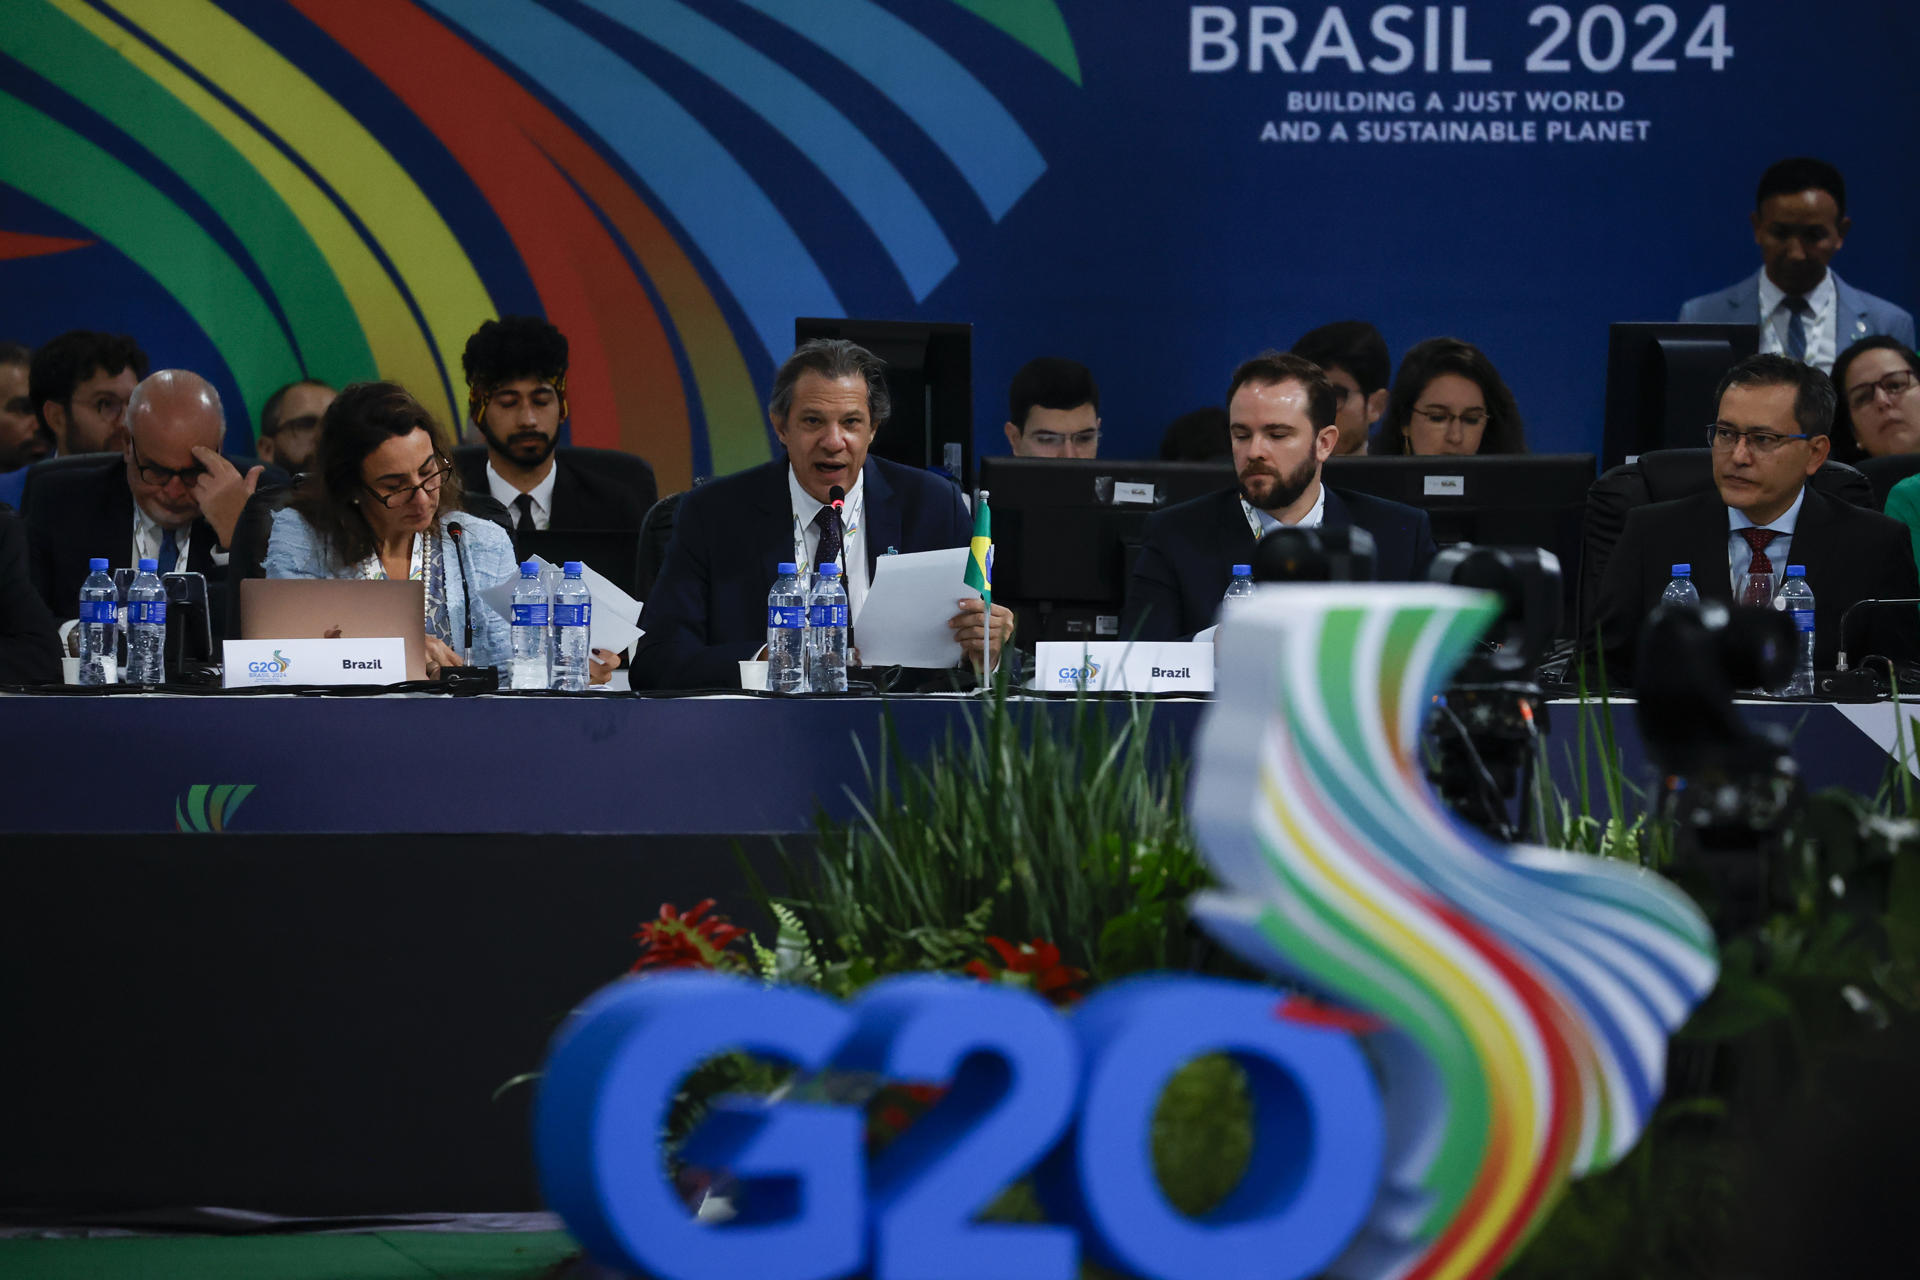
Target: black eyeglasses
(302, 425)
(158, 476)
(1895, 384)
(404, 493)
(1727, 439)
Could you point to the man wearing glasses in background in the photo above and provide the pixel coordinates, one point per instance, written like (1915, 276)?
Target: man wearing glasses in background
(1053, 410)
(290, 424)
(77, 387)
(168, 497)
(1770, 434)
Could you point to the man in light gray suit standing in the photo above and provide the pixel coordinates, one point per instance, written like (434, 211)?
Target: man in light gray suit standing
(1803, 309)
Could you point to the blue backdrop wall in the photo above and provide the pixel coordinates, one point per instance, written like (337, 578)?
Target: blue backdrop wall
(262, 189)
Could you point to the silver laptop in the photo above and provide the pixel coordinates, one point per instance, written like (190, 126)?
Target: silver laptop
(337, 608)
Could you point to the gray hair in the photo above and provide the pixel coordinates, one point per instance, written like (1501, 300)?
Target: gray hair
(833, 359)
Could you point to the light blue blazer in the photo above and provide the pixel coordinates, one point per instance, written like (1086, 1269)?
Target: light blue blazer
(1857, 314)
(296, 551)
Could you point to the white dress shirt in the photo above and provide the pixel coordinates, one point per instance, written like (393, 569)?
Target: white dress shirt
(1822, 323)
(853, 547)
(1740, 555)
(1263, 522)
(506, 495)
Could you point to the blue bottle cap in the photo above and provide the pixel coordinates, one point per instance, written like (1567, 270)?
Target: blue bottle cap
(788, 566)
(97, 564)
(1683, 571)
(149, 566)
(574, 568)
(829, 570)
(530, 569)
(1796, 571)
(1243, 571)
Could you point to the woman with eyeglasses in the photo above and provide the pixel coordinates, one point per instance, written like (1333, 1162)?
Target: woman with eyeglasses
(1448, 398)
(1878, 381)
(379, 505)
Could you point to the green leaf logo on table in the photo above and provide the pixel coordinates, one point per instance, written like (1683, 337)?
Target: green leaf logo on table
(1485, 1023)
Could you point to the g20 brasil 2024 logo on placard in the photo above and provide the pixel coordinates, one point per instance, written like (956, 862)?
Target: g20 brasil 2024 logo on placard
(1502, 1027)
(208, 808)
(274, 668)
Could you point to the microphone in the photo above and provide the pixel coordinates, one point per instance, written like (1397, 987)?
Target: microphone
(837, 499)
(1840, 663)
(466, 594)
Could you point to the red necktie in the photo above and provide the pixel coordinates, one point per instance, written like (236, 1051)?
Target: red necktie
(1756, 592)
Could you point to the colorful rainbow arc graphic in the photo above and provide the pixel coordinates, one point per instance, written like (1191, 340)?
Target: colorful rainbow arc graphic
(1529, 993)
(263, 188)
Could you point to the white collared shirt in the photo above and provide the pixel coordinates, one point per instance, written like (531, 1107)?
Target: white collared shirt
(1822, 323)
(506, 495)
(148, 535)
(1263, 522)
(853, 547)
(1740, 555)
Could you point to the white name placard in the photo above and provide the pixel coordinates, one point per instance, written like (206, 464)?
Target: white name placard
(294, 662)
(1116, 666)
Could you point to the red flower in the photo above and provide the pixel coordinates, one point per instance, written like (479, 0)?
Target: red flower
(676, 941)
(1034, 966)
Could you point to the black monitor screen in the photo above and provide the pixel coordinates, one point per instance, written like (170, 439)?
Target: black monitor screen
(930, 380)
(1660, 383)
(1499, 500)
(1065, 531)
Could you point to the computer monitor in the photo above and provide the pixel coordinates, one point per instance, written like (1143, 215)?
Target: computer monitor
(1497, 500)
(1065, 532)
(930, 379)
(1660, 382)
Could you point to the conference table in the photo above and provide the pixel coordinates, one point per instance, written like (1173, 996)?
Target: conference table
(278, 951)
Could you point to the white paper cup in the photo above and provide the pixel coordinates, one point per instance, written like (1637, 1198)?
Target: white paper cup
(753, 674)
(70, 670)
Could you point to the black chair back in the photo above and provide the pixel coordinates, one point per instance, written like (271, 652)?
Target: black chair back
(655, 532)
(1884, 473)
(47, 472)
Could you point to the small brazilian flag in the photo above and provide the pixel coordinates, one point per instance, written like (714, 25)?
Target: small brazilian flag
(980, 562)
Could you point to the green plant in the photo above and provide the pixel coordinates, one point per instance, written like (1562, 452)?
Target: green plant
(1022, 825)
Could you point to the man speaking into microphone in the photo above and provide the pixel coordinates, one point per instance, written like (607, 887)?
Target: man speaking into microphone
(825, 502)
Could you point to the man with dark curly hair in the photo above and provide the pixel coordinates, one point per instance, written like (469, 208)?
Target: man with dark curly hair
(516, 370)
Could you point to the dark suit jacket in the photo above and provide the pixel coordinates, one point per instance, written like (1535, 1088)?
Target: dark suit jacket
(29, 638)
(583, 498)
(1850, 554)
(1187, 554)
(708, 610)
(87, 512)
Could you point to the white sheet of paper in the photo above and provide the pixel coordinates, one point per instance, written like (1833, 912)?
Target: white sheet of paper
(904, 620)
(615, 624)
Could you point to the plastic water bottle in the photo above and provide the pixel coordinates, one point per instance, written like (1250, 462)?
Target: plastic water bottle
(572, 618)
(1796, 599)
(1681, 590)
(1240, 588)
(99, 623)
(827, 633)
(787, 632)
(532, 663)
(147, 627)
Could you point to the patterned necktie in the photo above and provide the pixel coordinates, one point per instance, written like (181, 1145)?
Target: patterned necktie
(1757, 592)
(524, 505)
(169, 551)
(828, 523)
(1800, 309)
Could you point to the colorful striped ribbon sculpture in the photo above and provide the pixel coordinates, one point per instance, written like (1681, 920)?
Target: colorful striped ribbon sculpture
(1525, 996)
